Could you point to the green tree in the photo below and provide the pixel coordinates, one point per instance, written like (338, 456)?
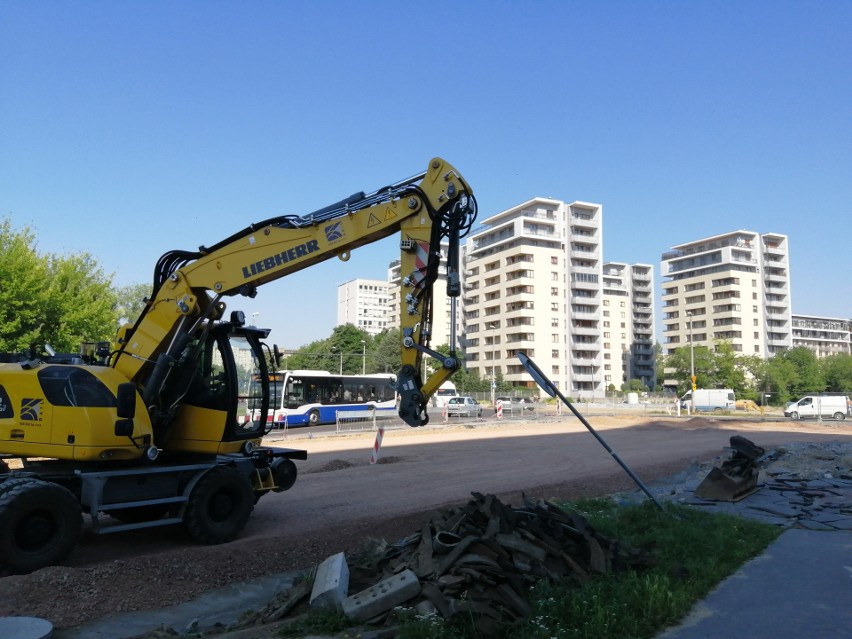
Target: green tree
(56, 300)
(777, 378)
(384, 354)
(808, 377)
(79, 304)
(24, 281)
(343, 349)
(633, 385)
(837, 372)
(130, 300)
(681, 359)
(729, 370)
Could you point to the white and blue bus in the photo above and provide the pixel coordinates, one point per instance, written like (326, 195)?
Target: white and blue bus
(308, 398)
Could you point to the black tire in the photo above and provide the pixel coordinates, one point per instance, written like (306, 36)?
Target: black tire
(794, 415)
(839, 416)
(40, 524)
(313, 418)
(219, 506)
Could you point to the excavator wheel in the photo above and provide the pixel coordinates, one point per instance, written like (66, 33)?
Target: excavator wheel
(219, 505)
(40, 524)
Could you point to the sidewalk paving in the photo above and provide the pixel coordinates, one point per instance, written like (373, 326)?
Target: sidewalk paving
(800, 587)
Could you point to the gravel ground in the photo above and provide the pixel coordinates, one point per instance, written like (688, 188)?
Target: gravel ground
(133, 580)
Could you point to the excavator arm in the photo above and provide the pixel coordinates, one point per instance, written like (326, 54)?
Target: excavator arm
(427, 210)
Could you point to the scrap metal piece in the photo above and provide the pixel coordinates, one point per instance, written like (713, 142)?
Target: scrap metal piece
(737, 478)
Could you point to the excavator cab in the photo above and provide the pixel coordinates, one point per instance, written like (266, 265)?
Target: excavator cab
(220, 391)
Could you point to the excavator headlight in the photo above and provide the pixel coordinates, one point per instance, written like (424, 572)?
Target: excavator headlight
(152, 452)
(238, 318)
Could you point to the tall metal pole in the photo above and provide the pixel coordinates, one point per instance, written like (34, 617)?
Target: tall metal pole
(363, 357)
(550, 388)
(691, 363)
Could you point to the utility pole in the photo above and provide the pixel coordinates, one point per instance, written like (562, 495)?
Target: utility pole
(691, 363)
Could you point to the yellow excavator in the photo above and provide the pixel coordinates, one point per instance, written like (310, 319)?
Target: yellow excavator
(153, 429)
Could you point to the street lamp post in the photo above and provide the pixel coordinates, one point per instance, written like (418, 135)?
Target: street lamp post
(340, 351)
(363, 357)
(691, 362)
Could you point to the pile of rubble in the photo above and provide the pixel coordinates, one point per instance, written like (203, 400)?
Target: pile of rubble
(478, 560)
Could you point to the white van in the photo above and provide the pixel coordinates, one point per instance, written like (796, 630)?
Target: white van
(710, 399)
(444, 392)
(824, 406)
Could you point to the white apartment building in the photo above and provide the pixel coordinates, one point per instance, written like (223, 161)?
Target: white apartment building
(532, 284)
(823, 335)
(734, 287)
(441, 315)
(364, 304)
(627, 324)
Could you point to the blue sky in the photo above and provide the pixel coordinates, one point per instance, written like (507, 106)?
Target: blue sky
(131, 128)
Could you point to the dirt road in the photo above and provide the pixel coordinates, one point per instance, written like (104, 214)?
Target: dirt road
(340, 499)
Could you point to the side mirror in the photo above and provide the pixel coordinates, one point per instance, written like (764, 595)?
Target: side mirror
(126, 400)
(276, 354)
(124, 428)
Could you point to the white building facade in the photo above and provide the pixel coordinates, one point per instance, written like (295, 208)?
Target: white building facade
(825, 336)
(532, 283)
(733, 287)
(627, 321)
(364, 304)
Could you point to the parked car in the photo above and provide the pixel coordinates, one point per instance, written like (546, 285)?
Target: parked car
(513, 404)
(463, 407)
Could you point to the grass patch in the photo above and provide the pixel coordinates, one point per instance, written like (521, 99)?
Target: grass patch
(692, 552)
(316, 622)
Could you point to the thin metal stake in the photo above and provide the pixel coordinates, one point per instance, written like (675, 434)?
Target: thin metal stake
(550, 388)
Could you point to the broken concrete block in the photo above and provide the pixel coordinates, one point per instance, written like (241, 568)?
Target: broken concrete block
(331, 584)
(384, 596)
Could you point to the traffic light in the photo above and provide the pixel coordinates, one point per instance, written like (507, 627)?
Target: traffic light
(693, 378)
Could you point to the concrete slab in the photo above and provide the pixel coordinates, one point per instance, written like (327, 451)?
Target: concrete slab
(800, 587)
(331, 583)
(382, 597)
(25, 628)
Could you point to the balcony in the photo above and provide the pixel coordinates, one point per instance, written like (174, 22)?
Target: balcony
(587, 315)
(585, 377)
(586, 285)
(585, 330)
(584, 253)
